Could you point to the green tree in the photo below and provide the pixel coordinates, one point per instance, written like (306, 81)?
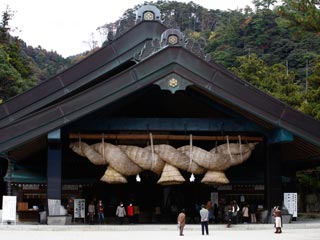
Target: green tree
(15, 71)
(314, 77)
(6, 16)
(304, 14)
(260, 30)
(10, 78)
(274, 79)
(311, 104)
(186, 15)
(263, 4)
(20, 64)
(227, 41)
(278, 82)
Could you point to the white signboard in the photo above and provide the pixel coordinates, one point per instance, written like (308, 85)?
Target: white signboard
(214, 198)
(79, 208)
(9, 208)
(54, 207)
(291, 203)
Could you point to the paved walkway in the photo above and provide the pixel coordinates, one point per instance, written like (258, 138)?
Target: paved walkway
(295, 231)
(288, 234)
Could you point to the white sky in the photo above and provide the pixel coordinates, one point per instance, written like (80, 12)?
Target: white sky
(66, 26)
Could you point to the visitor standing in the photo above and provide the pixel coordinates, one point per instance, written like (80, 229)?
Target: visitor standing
(130, 212)
(229, 214)
(181, 221)
(136, 210)
(235, 211)
(209, 207)
(253, 210)
(204, 218)
(91, 212)
(100, 211)
(121, 213)
(277, 219)
(245, 213)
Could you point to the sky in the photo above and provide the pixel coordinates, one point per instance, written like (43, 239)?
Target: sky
(69, 26)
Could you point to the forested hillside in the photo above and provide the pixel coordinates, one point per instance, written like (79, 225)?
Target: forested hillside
(23, 66)
(275, 46)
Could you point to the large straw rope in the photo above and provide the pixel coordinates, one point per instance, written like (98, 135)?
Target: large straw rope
(131, 160)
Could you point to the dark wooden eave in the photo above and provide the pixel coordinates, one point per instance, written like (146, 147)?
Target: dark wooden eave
(210, 78)
(117, 52)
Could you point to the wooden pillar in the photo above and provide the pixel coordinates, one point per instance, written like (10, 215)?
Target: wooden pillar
(9, 174)
(3, 170)
(54, 162)
(274, 192)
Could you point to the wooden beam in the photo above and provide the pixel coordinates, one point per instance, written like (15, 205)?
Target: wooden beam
(162, 137)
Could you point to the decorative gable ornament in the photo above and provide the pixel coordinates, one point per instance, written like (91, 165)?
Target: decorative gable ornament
(172, 37)
(173, 83)
(148, 13)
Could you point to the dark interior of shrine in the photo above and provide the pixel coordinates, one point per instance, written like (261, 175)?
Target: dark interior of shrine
(153, 103)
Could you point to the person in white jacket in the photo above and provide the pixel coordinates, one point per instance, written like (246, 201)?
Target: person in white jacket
(121, 213)
(204, 218)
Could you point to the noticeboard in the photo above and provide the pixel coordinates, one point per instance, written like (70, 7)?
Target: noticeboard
(9, 208)
(291, 203)
(54, 207)
(79, 208)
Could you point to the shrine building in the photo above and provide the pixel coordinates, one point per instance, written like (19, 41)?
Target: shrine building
(149, 119)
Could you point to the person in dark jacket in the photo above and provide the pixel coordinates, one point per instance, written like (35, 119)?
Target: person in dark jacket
(100, 211)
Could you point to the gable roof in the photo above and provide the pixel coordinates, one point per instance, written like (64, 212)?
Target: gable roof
(209, 77)
(100, 64)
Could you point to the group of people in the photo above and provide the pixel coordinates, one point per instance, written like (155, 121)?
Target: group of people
(204, 219)
(233, 211)
(99, 210)
(232, 215)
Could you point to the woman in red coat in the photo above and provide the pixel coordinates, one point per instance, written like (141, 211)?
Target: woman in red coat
(130, 212)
